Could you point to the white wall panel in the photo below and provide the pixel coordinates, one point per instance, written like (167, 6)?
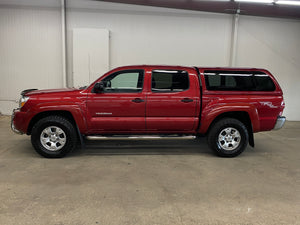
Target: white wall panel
(30, 51)
(149, 35)
(30, 43)
(273, 44)
(90, 55)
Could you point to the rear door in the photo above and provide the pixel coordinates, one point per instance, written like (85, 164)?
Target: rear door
(172, 101)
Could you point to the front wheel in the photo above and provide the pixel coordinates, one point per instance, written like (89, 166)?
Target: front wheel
(228, 137)
(53, 137)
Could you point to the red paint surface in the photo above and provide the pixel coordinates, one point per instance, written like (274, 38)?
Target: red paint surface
(160, 112)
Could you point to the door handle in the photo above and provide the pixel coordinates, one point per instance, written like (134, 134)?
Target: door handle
(187, 100)
(137, 100)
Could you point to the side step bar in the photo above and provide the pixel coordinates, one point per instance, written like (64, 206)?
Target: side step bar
(139, 137)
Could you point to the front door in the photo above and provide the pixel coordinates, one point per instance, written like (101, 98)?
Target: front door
(171, 102)
(120, 107)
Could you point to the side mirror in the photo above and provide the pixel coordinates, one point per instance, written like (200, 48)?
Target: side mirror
(99, 87)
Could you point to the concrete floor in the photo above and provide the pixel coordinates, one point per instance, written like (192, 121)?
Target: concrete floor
(151, 182)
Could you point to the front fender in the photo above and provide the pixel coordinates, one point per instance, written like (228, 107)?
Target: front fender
(71, 107)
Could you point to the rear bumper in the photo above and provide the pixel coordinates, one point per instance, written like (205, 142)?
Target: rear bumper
(279, 122)
(12, 125)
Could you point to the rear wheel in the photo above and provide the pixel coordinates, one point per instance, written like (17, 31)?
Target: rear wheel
(53, 137)
(228, 137)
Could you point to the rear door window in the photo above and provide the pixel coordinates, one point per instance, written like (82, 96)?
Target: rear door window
(169, 81)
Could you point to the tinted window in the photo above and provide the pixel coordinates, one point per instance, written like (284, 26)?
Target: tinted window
(238, 81)
(169, 80)
(263, 82)
(124, 81)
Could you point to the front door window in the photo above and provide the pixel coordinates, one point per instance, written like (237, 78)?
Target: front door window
(130, 81)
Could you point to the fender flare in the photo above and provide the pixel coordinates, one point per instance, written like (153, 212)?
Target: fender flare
(70, 107)
(210, 113)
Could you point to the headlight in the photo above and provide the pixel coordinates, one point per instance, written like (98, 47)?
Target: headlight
(22, 101)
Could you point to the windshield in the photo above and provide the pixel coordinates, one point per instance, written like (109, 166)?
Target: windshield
(83, 87)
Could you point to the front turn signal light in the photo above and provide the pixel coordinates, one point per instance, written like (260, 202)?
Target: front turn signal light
(22, 101)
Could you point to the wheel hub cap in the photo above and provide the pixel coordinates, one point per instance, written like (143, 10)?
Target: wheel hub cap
(229, 138)
(53, 138)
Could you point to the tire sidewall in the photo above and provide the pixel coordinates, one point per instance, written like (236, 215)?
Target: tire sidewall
(223, 125)
(36, 133)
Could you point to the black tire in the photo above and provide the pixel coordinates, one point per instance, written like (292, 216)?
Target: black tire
(69, 136)
(235, 142)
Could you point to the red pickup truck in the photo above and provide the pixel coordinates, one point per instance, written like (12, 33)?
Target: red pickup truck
(227, 105)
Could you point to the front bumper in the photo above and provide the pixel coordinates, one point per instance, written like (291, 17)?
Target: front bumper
(14, 129)
(279, 122)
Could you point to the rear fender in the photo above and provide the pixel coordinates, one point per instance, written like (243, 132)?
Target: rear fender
(210, 113)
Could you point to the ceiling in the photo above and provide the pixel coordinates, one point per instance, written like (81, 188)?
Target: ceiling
(229, 7)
